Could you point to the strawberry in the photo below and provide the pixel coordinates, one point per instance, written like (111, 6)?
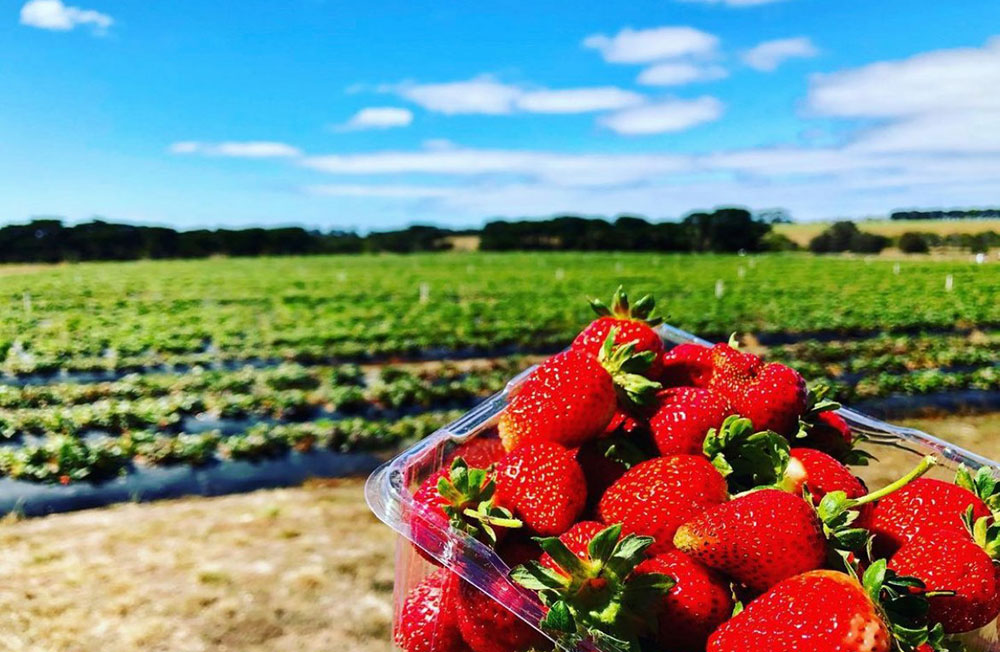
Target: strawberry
(600, 470)
(573, 395)
(479, 452)
(488, 626)
(959, 567)
(587, 582)
(543, 485)
(820, 427)
(634, 323)
(924, 506)
(771, 395)
(819, 611)
(464, 497)
(682, 416)
(821, 474)
(655, 497)
(686, 365)
(700, 602)
(428, 618)
(765, 536)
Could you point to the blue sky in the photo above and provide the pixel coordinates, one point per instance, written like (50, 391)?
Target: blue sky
(371, 115)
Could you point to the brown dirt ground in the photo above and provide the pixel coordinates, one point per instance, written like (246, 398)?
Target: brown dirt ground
(306, 569)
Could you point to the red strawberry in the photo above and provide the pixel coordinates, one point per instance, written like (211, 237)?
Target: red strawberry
(586, 581)
(820, 611)
(600, 470)
(822, 474)
(634, 323)
(572, 396)
(757, 539)
(687, 365)
(543, 485)
(488, 626)
(428, 619)
(700, 601)
(771, 395)
(464, 497)
(682, 417)
(655, 497)
(923, 507)
(478, 453)
(948, 561)
(765, 536)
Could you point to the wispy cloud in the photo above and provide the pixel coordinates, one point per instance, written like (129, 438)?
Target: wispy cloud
(768, 55)
(54, 15)
(651, 45)
(663, 117)
(679, 73)
(377, 117)
(249, 149)
(486, 95)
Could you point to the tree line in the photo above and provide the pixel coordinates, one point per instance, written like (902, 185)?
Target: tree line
(50, 240)
(969, 214)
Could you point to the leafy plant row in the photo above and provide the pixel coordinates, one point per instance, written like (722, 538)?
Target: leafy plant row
(64, 459)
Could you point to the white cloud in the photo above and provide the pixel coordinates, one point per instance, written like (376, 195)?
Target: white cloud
(958, 79)
(250, 149)
(550, 167)
(650, 45)
(378, 117)
(54, 15)
(768, 55)
(578, 100)
(678, 73)
(482, 94)
(668, 116)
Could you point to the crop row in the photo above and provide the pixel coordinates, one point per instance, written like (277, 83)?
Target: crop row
(313, 310)
(65, 459)
(286, 393)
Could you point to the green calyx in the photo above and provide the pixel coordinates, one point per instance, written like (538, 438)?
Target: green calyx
(837, 512)
(817, 403)
(470, 506)
(983, 484)
(596, 598)
(642, 310)
(902, 604)
(626, 366)
(748, 459)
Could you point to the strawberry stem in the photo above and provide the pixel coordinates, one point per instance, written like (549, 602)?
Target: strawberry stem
(925, 465)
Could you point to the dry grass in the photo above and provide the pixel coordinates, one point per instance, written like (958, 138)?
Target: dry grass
(301, 569)
(802, 232)
(304, 569)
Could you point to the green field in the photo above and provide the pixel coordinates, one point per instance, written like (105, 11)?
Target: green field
(339, 352)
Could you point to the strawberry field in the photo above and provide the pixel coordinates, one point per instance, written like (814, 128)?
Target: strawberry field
(108, 368)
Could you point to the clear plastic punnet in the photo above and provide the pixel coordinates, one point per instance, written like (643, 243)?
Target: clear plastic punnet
(389, 492)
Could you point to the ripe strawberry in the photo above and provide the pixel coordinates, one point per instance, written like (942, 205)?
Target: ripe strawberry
(822, 474)
(687, 365)
(829, 611)
(479, 452)
(699, 603)
(488, 626)
(654, 498)
(765, 536)
(924, 506)
(948, 561)
(573, 395)
(820, 611)
(634, 323)
(543, 485)
(587, 582)
(428, 619)
(464, 497)
(682, 416)
(600, 470)
(758, 539)
(771, 395)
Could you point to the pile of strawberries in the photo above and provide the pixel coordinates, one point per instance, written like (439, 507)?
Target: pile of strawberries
(698, 499)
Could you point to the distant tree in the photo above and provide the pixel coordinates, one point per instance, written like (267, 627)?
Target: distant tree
(912, 242)
(845, 236)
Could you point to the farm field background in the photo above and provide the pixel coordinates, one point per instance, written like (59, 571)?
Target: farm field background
(802, 232)
(114, 366)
